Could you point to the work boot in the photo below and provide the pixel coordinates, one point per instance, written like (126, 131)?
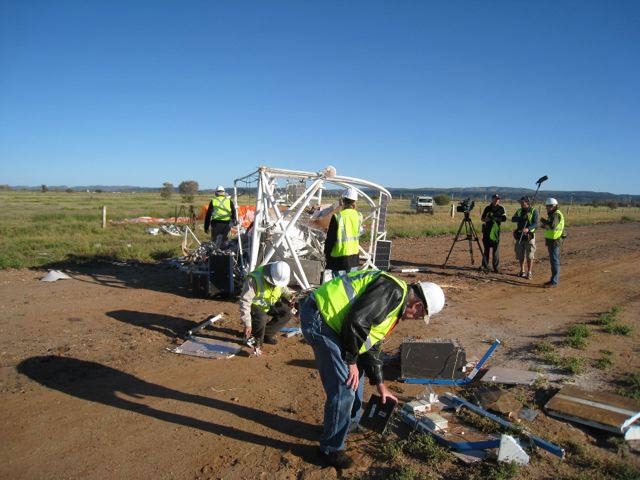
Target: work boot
(550, 284)
(270, 340)
(338, 459)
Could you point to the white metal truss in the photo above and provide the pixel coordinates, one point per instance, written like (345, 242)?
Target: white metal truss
(277, 230)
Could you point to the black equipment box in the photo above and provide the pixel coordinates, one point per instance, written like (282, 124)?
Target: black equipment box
(312, 269)
(377, 415)
(432, 358)
(200, 285)
(221, 274)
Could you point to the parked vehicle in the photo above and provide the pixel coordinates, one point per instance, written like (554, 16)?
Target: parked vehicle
(424, 204)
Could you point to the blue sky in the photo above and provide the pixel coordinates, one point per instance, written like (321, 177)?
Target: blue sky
(406, 94)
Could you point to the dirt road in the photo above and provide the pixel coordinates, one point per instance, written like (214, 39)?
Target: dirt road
(88, 389)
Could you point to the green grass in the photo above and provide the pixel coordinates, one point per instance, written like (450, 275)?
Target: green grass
(423, 447)
(574, 365)
(39, 229)
(610, 323)
(405, 472)
(390, 451)
(618, 329)
(605, 361)
(577, 336)
(631, 386)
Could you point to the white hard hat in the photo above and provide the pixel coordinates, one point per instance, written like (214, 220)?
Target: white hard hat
(551, 201)
(434, 296)
(280, 273)
(351, 194)
(220, 189)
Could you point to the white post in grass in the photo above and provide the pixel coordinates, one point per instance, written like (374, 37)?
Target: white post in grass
(104, 216)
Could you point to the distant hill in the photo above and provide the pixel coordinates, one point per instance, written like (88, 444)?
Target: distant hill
(510, 193)
(457, 193)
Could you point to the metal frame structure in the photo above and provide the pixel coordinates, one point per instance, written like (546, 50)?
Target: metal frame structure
(275, 219)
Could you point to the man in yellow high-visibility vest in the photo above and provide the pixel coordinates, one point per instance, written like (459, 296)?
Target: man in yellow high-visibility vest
(221, 214)
(342, 245)
(553, 235)
(345, 321)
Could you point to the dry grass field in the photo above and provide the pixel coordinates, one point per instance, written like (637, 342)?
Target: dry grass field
(39, 229)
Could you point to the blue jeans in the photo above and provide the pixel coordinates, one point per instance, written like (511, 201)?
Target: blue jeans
(342, 406)
(554, 258)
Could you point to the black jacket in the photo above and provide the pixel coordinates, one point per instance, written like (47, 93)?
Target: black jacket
(371, 308)
(490, 214)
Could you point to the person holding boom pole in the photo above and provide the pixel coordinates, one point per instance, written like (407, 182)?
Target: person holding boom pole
(526, 218)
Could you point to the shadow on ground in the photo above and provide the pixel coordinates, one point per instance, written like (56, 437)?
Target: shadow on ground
(101, 384)
(172, 327)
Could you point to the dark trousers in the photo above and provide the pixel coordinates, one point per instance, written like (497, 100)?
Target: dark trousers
(220, 232)
(489, 245)
(269, 323)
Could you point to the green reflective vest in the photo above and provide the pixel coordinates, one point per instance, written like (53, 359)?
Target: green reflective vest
(335, 298)
(555, 233)
(221, 208)
(349, 221)
(266, 293)
(529, 218)
(494, 232)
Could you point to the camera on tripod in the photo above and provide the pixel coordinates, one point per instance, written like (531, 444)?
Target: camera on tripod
(465, 206)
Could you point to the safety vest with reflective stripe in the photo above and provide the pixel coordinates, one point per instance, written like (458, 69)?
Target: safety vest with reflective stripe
(529, 218)
(555, 233)
(349, 221)
(221, 209)
(335, 299)
(266, 293)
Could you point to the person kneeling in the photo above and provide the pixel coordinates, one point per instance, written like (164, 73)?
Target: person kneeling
(262, 309)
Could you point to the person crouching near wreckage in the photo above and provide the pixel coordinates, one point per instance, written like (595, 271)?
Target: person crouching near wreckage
(262, 309)
(345, 321)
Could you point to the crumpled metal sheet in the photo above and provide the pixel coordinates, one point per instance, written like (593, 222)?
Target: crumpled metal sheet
(207, 348)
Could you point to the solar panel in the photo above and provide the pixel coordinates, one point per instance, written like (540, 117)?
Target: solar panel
(382, 216)
(382, 258)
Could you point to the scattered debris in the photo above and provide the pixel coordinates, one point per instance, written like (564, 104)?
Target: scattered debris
(510, 376)
(537, 441)
(417, 406)
(207, 348)
(528, 414)
(601, 410)
(434, 421)
(172, 230)
(463, 381)
(153, 231)
(431, 358)
(204, 324)
(377, 415)
(54, 276)
(497, 400)
(291, 331)
(511, 451)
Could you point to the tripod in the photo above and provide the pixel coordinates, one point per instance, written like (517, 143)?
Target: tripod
(470, 235)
